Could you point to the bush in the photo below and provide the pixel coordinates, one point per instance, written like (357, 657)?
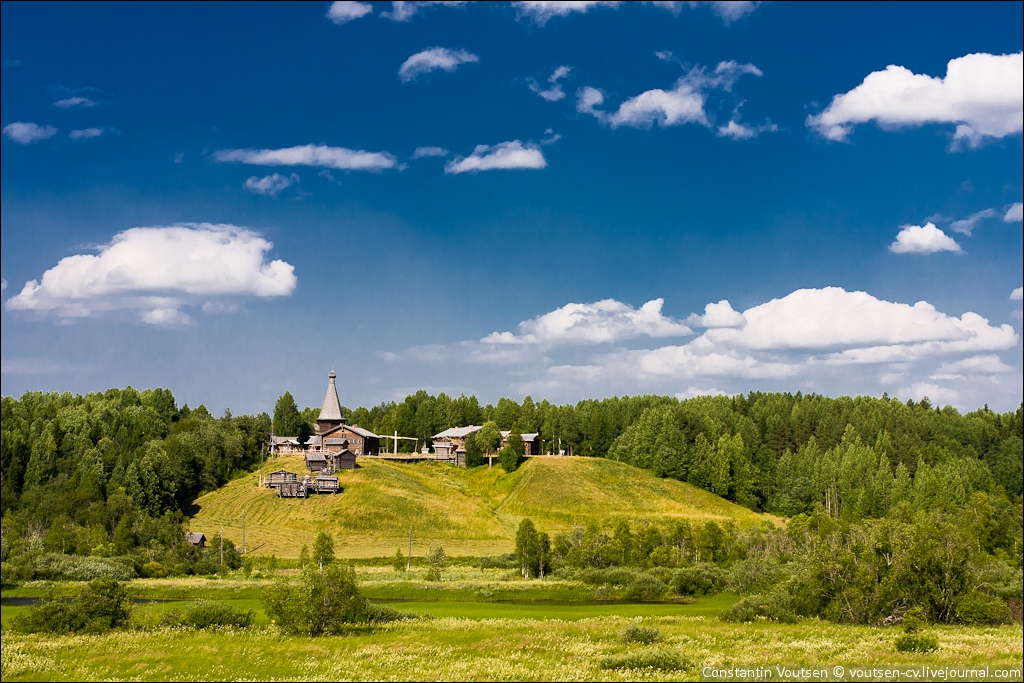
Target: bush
(754, 574)
(509, 459)
(658, 660)
(646, 587)
(324, 601)
(381, 614)
(154, 570)
(438, 561)
(59, 567)
(613, 576)
(776, 606)
(641, 634)
(700, 580)
(917, 642)
(978, 609)
(208, 614)
(102, 606)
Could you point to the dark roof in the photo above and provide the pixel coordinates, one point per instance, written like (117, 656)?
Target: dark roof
(195, 538)
(314, 457)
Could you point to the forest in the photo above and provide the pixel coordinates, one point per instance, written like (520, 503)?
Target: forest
(102, 484)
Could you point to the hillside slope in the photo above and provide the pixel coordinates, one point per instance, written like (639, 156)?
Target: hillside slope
(472, 512)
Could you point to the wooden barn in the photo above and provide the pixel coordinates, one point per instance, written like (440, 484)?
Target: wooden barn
(293, 489)
(316, 461)
(325, 484)
(196, 539)
(275, 479)
(342, 460)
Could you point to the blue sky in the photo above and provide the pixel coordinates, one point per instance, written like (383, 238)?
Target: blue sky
(567, 200)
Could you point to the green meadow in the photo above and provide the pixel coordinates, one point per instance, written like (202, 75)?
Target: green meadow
(472, 512)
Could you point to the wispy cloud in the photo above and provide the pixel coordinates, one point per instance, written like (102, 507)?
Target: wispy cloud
(503, 156)
(923, 239)
(981, 94)
(25, 133)
(683, 103)
(553, 92)
(87, 133)
(321, 156)
(424, 152)
(76, 101)
(404, 11)
(540, 11)
(342, 12)
(965, 226)
(434, 59)
(271, 184)
(155, 271)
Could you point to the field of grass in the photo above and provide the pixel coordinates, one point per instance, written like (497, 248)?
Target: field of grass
(453, 649)
(471, 512)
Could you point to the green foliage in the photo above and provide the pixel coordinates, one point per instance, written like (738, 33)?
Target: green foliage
(646, 587)
(103, 605)
(508, 459)
(776, 606)
(323, 549)
(533, 550)
(978, 609)
(399, 563)
(304, 558)
(653, 660)
(645, 635)
(437, 560)
(489, 437)
(700, 580)
(916, 642)
(202, 614)
(474, 452)
(323, 602)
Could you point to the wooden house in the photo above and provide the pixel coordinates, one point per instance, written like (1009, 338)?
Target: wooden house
(196, 539)
(448, 442)
(341, 460)
(531, 442)
(316, 461)
(325, 484)
(275, 479)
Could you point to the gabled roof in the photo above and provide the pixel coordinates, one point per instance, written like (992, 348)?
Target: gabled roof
(282, 440)
(331, 409)
(365, 433)
(526, 437)
(314, 440)
(195, 538)
(457, 432)
(315, 457)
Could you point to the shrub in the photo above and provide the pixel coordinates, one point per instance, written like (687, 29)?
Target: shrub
(613, 576)
(646, 587)
(917, 642)
(700, 580)
(102, 606)
(59, 567)
(438, 561)
(641, 634)
(154, 570)
(658, 660)
(776, 606)
(754, 574)
(208, 614)
(324, 601)
(381, 614)
(977, 609)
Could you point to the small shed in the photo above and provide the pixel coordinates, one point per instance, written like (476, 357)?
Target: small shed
(326, 484)
(345, 460)
(293, 489)
(196, 539)
(316, 461)
(275, 479)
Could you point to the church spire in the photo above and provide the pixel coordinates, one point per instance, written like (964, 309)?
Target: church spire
(330, 414)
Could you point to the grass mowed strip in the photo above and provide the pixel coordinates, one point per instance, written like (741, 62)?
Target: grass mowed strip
(492, 649)
(472, 512)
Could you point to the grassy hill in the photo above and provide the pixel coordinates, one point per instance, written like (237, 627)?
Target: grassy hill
(472, 512)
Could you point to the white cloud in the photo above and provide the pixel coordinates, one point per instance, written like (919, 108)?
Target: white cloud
(922, 239)
(740, 131)
(1015, 214)
(503, 156)
(433, 59)
(982, 94)
(155, 271)
(3, 284)
(76, 101)
(86, 133)
(731, 10)
(694, 392)
(601, 322)
(26, 133)
(718, 315)
(403, 11)
(1017, 294)
(684, 103)
(554, 92)
(341, 12)
(965, 226)
(424, 152)
(936, 394)
(988, 364)
(271, 184)
(540, 11)
(322, 156)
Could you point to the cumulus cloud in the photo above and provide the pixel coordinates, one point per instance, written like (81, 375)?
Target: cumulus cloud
(683, 103)
(342, 12)
(965, 226)
(433, 59)
(826, 340)
(424, 152)
(1015, 214)
(25, 133)
(76, 101)
(553, 92)
(155, 271)
(404, 11)
(1017, 294)
(503, 156)
(922, 239)
(86, 133)
(981, 94)
(271, 184)
(321, 156)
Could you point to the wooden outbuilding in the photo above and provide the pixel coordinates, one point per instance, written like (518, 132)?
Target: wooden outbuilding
(196, 539)
(325, 484)
(275, 479)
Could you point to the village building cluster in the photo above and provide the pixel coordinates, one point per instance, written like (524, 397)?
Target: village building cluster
(335, 445)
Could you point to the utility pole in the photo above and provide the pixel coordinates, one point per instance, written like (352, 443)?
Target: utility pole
(408, 560)
(243, 532)
(222, 546)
